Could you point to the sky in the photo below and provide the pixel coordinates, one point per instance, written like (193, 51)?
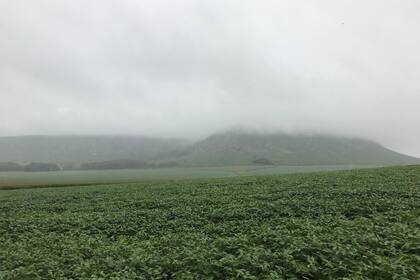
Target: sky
(189, 68)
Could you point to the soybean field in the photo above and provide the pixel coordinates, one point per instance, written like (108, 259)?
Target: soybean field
(353, 224)
(79, 177)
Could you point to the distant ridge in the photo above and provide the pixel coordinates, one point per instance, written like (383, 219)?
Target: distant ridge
(237, 147)
(230, 148)
(84, 149)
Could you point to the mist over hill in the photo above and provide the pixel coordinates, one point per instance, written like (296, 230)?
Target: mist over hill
(83, 149)
(230, 148)
(283, 149)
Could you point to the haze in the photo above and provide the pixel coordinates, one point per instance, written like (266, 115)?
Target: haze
(191, 68)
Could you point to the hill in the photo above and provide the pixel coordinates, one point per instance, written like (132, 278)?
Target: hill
(236, 148)
(232, 148)
(85, 149)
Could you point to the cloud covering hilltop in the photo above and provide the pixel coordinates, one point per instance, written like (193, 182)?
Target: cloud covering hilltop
(191, 68)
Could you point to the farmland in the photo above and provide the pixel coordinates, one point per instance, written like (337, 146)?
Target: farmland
(358, 224)
(30, 179)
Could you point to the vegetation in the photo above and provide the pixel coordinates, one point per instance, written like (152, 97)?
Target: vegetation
(10, 166)
(237, 148)
(360, 224)
(31, 167)
(83, 149)
(233, 148)
(115, 164)
(262, 161)
(77, 177)
(40, 167)
(125, 164)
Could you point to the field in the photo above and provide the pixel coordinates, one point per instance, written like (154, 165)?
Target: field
(354, 224)
(23, 179)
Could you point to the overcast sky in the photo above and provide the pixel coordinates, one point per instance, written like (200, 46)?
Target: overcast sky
(188, 68)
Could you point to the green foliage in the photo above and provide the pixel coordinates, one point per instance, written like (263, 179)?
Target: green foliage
(83, 149)
(77, 177)
(283, 149)
(338, 225)
(231, 148)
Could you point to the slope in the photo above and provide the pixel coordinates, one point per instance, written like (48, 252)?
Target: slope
(237, 148)
(82, 149)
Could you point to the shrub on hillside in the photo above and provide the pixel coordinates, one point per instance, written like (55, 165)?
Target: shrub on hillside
(40, 166)
(262, 161)
(10, 166)
(115, 164)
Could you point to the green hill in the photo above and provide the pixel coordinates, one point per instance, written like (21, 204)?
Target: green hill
(237, 148)
(83, 149)
(233, 148)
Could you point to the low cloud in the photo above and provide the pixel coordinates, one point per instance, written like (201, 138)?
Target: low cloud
(191, 68)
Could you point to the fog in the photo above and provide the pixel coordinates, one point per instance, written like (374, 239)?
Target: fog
(191, 68)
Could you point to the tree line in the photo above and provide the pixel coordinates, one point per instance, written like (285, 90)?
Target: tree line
(103, 165)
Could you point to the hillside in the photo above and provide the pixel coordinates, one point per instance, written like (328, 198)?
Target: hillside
(232, 148)
(245, 148)
(83, 149)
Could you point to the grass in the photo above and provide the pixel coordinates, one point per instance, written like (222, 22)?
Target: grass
(25, 179)
(358, 224)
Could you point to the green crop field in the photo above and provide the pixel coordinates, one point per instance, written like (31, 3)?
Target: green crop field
(25, 179)
(354, 224)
